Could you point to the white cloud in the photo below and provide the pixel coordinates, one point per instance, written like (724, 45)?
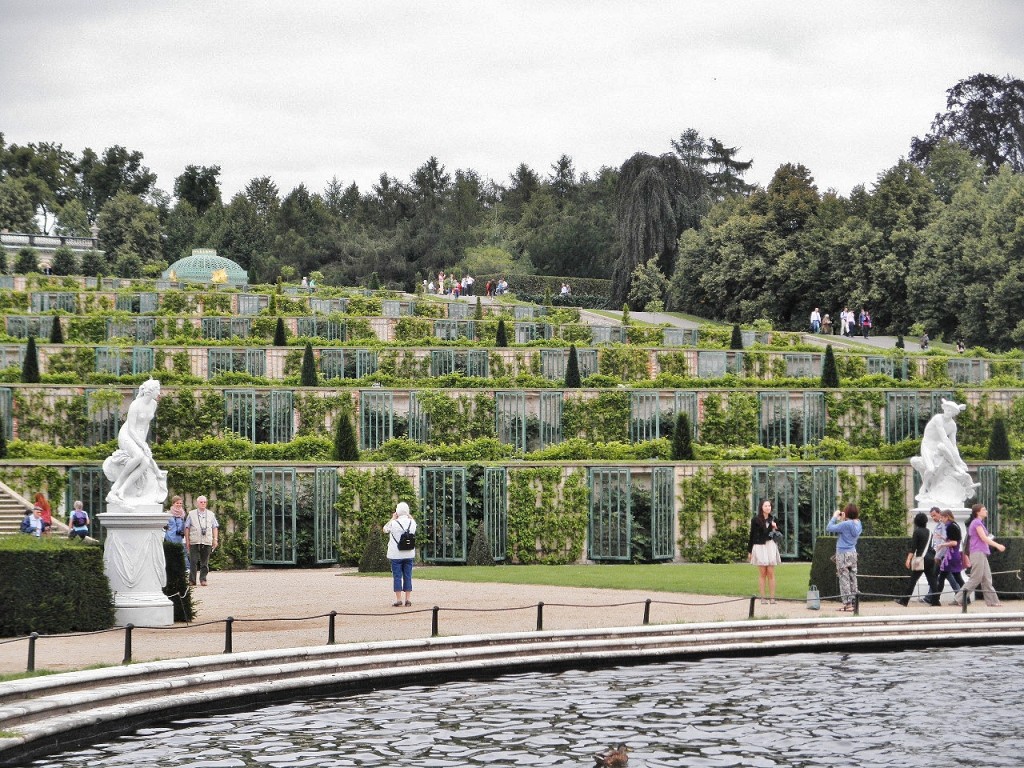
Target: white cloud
(303, 91)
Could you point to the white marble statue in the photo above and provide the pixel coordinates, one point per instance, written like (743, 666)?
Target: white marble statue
(131, 468)
(945, 480)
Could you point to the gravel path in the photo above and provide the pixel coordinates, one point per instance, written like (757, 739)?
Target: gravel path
(266, 602)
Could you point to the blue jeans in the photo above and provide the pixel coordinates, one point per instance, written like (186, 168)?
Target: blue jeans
(401, 571)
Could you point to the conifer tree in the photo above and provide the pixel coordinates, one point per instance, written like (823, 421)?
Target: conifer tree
(479, 314)
(375, 554)
(272, 305)
(736, 340)
(999, 441)
(547, 296)
(308, 377)
(56, 331)
(625, 314)
(280, 337)
(829, 371)
(345, 448)
(480, 550)
(30, 368)
(572, 369)
(501, 340)
(682, 440)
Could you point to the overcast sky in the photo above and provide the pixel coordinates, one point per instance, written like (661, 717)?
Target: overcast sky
(303, 91)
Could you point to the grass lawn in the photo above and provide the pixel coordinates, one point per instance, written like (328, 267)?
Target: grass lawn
(695, 578)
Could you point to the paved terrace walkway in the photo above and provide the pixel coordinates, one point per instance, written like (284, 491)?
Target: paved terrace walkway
(275, 596)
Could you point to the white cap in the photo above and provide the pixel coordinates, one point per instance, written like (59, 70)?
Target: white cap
(402, 509)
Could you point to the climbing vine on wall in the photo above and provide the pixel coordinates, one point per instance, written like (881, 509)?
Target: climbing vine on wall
(735, 425)
(720, 499)
(365, 502)
(228, 494)
(881, 498)
(547, 515)
(604, 418)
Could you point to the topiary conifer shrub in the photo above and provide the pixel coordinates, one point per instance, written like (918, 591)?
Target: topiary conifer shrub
(30, 366)
(501, 339)
(999, 441)
(572, 369)
(480, 550)
(345, 447)
(280, 337)
(682, 440)
(829, 370)
(308, 376)
(375, 554)
(56, 331)
(736, 340)
(479, 312)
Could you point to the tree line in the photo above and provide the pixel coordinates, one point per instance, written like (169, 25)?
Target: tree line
(934, 240)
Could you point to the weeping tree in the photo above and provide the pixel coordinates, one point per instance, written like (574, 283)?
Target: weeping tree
(658, 197)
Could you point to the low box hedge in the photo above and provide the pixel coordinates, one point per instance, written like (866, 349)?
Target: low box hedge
(881, 573)
(52, 585)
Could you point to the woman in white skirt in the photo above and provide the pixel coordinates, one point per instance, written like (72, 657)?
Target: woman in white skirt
(763, 551)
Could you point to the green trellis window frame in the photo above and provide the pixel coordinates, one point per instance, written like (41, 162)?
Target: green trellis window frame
(376, 418)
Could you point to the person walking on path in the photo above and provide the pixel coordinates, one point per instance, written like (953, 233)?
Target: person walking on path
(201, 539)
(815, 320)
(980, 545)
(847, 527)
(174, 528)
(401, 559)
(762, 549)
(949, 555)
(934, 556)
(916, 562)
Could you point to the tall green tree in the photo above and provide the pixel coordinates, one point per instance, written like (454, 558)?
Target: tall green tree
(999, 441)
(985, 114)
(56, 331)
(829, 370)
(280, 336)
(199, 186)
(345, 447)
(101, 178)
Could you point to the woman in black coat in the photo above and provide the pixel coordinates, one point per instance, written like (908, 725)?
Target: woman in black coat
(918, 548)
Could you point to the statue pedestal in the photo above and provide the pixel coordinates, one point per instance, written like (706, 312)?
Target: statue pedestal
(133, 559)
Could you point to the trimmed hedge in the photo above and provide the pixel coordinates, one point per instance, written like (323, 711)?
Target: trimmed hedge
(51, 586)
(881, 571)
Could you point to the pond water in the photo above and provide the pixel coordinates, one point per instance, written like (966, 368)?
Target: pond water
(870, 709)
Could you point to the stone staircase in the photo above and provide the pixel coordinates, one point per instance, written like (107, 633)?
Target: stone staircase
(12, 511)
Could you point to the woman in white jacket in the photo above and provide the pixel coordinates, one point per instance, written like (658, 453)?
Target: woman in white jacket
(401, 559)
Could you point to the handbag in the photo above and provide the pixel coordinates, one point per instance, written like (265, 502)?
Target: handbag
(917, 563)
(777, 536)
(813, 599)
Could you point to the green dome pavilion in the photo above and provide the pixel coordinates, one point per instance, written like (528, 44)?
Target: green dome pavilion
(205, 266)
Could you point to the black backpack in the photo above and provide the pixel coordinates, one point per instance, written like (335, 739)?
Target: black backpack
(406, 541)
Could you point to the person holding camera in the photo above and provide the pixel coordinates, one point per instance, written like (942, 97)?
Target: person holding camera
(847, 527)
(201, 539)
(762, 549)
(401, 530)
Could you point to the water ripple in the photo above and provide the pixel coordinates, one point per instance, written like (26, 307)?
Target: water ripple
(796, 711)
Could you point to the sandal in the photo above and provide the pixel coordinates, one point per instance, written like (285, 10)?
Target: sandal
(772, 601)
(397, 604)
(408, 603)
(763, 601)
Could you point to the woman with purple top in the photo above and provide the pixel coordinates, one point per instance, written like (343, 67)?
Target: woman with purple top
(980, 545)
(847, 527)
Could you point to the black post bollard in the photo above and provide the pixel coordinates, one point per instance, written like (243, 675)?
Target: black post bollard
(753, 600)
(128, 643)
(227, 633)
(540, 617)
(647, 612)
(434, 631)
(32, 651)
(330, 627)
(856, 604)
(963, 608)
